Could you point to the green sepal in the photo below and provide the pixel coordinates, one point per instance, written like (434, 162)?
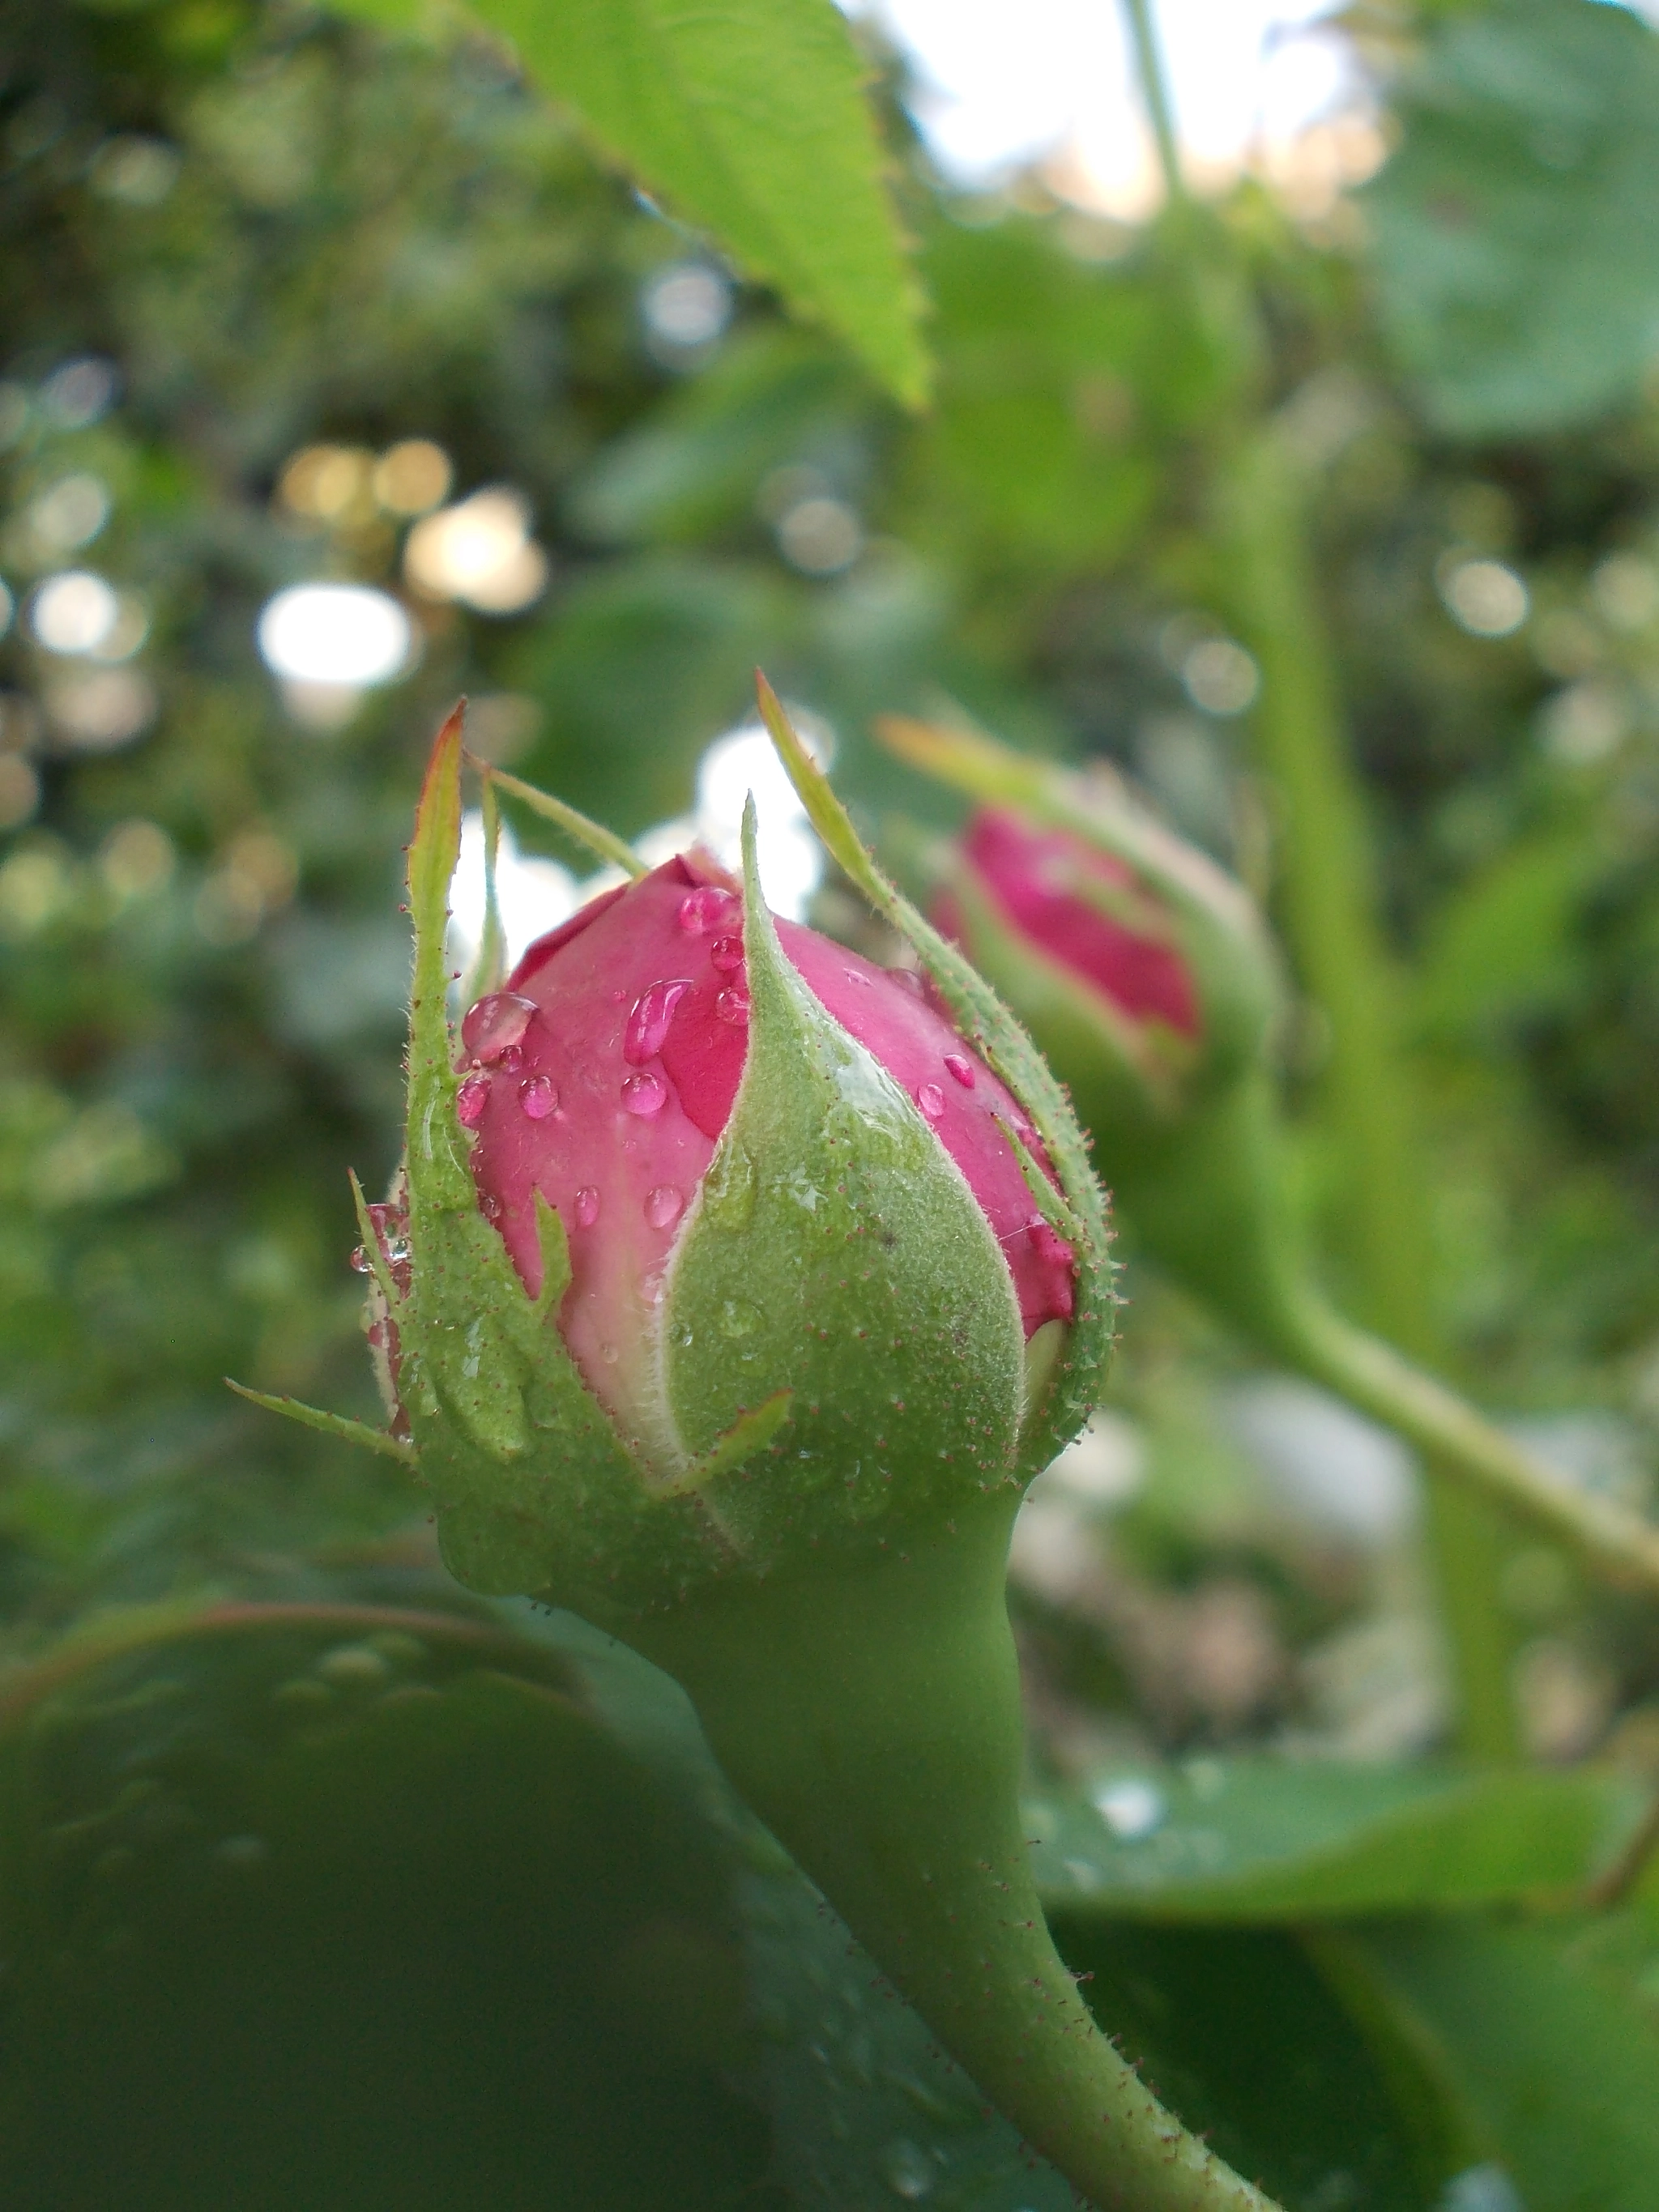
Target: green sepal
(603, 843)
(748, 1434)
(835, 1250)
(331, 1424)
(489, 968)
(986, 1022)
(374, 1257)
(534, 1488)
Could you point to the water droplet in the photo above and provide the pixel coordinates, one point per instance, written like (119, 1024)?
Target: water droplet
(536, 1097)
(962, 1068)
(360, 1261)
(706, 908)
(663, 1206)
(733, 1005)
(396, 1252)
(728, 1190)
(471, 1100)
(651, 1286)
(647, 1024)
(858, 976)
(586, 1208)
(1131, 1808)
(496, 1024)
(727, 954)
(908, 2170)
(931, 1100)
(512, 1059)
(609, 1353)
(353, 1666)
(908, 979)
(738, 1318)
(644, 1095)
(491, 1206)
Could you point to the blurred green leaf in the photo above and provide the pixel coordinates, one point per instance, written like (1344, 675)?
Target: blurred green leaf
(1261, 1841)
(771, 398)
(1513, 227)
(1503, 945)
(1237, 2029)
(750, 118)
(644, 664)
(1554, 2049)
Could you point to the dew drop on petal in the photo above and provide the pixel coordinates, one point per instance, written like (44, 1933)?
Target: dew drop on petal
(930, 1099)
(587, 1206)
(471, 1100)
(651, 1286)
(706, 908)
(360, 1261)
(644, 1095)
(663, 1206)
(647, 1024)
(733, 1005)
(536, 1097)
(727, 954)
(512, 1059)
(962, 1068)
(858, 976)
(491, 1206)
(496, 1024)
(908, 979)
(609, 1353)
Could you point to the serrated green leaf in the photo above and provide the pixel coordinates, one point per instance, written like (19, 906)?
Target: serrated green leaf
(749, 118)
(1261, 1841)
(1513, 227)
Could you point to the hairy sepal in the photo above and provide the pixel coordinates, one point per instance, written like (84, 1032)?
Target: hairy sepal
(836, 1251)
(1070, 1389)
(534, 1489)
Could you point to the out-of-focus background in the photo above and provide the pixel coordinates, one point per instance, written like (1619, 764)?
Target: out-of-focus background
(338, 378)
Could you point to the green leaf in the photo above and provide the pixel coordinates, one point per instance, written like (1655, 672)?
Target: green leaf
(1550, 2041)
(749, 118)
(1513, 227)
(1264, 1840)
(473, 1903)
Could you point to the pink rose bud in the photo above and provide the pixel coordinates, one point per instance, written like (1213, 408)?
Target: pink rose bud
(1141, 969)
(634, 1018)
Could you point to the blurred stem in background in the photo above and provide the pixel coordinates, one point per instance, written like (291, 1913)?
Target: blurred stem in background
(1327, 882)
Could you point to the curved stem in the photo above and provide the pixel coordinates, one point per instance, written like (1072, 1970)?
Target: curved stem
(1373, 1377)
(871, 1717)
(1155, 91)
(1211, 1207)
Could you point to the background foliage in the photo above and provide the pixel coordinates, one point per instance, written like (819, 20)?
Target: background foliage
(231, 231)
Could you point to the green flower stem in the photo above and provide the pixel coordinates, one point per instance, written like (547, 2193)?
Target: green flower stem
(870, 1715)
(1214, 1211)
(1328, 884)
